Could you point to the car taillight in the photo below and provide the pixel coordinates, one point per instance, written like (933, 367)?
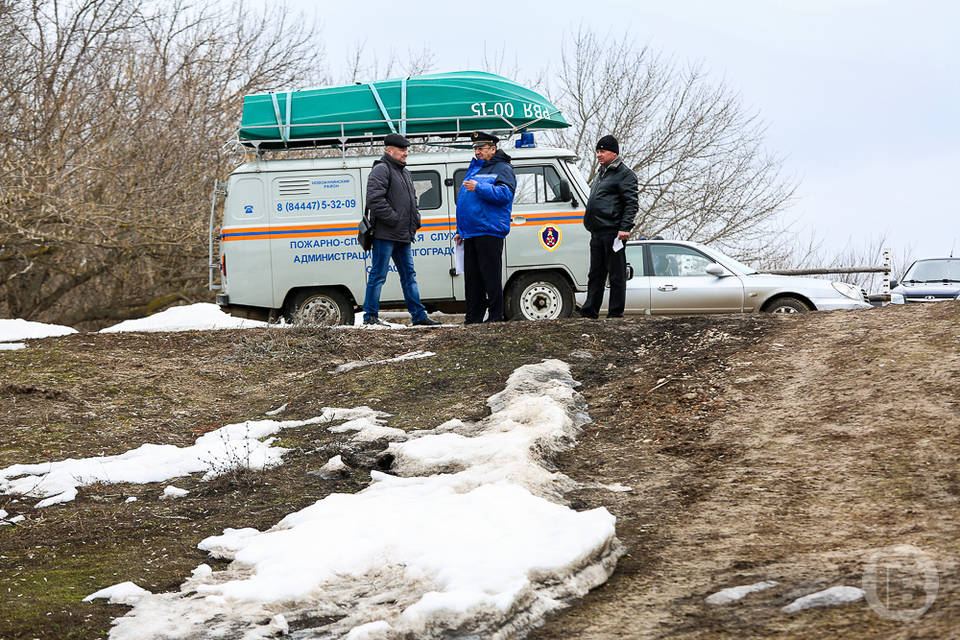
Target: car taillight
(223, 265)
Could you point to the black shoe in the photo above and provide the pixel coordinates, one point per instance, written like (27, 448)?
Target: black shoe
(376, 321)
(426, 321)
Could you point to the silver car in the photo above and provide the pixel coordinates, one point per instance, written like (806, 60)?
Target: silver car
(678, 277)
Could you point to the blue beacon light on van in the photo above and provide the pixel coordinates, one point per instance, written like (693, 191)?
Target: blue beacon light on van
(526, 141)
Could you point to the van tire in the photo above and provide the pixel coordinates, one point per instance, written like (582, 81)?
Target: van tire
(540, 296)
(319, 307)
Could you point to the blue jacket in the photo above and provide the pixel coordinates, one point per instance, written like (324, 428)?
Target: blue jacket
(486, 211)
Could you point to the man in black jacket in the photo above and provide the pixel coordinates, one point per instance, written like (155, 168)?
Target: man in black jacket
(392, 201)
(609, 218)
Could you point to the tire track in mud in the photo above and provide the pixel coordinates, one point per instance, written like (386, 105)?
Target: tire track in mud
(808, 465)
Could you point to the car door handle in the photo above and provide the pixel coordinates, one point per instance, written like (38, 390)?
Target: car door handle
(518, 220)
(667, 287)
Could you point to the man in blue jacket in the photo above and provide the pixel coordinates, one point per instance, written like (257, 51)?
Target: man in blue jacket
(484, 204)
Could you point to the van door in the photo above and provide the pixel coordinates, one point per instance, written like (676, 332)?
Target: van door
(245, 243)
(433, 246)
(546, 231)
(313, 231)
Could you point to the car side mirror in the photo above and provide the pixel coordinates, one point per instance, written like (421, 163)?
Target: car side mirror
(716, 270)
(893, 284)
(630, 272)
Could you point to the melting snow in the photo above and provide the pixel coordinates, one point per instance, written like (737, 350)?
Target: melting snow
(123, 593)
(413, 355)
(173, 492)
(16, 329)
(465, 537)
(193, 317)
(826, 598)
(732, 594)
(230, 447)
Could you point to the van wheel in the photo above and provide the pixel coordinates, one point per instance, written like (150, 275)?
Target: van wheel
(324, 308)
(787, 305)
(540, 296)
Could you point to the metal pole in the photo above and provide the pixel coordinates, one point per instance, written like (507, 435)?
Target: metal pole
(886, 276)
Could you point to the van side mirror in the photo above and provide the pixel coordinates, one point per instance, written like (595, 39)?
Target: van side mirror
(715, 270)
(630, 272)
(565, 190)
(893, 284)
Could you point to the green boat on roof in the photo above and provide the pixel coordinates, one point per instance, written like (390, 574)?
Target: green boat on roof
(438, 105)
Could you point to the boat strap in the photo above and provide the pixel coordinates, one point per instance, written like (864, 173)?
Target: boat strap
(383, 109)
(283, 125)
(403, 106)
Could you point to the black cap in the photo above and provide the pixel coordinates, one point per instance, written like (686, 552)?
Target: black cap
(609, 143)
(396, 140)
(480, 138)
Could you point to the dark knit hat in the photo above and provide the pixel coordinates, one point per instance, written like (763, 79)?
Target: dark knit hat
(396, 140)
(609, 143)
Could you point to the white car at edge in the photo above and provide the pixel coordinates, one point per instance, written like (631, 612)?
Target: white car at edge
(680, 277)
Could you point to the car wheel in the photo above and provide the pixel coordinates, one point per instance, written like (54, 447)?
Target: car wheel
(540, 296)
(324, 308)
(786, 305)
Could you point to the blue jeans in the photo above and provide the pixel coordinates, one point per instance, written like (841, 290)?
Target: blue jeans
(380, 256)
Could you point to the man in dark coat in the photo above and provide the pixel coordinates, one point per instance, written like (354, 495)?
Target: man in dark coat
(484, 206)
(392, 201)
(609, 218)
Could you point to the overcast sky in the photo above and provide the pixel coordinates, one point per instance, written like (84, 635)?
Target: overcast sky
(861, 97)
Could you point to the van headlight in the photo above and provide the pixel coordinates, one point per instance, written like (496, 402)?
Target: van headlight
(897, 298)
(848, 290)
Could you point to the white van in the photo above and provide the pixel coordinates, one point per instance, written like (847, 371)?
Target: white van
(288, 244)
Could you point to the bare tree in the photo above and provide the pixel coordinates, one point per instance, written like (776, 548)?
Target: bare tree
(114, 114)
(702, 171)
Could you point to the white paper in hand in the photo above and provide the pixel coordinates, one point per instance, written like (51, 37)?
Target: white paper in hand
(458, 257)
(617, 244)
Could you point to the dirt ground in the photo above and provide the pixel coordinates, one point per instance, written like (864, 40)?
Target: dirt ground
(784, 448)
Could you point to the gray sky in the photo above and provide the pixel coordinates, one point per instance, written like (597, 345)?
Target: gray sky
(861, 97)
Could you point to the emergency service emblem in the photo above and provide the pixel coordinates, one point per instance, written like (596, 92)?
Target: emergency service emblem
(550, 237)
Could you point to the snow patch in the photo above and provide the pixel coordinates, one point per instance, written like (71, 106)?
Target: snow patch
(12, 346)
(122, 593)
(173, 492)
(413, 355)
(279, 409)
(131, 499)
(827, 598)
(202, 316)
(732, 594)
(16, 329)
(214, 453)
(366, 423)
(475, 546)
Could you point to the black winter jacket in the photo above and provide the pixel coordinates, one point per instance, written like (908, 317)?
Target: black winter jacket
(613, 199)
(395, 214)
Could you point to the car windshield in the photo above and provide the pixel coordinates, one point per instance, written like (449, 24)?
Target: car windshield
(933, 271)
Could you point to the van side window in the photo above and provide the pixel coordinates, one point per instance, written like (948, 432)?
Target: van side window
(427, 186)
(537, 185)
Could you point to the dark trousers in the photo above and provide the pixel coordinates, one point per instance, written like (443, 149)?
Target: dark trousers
(605, 261)
(483, 278)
